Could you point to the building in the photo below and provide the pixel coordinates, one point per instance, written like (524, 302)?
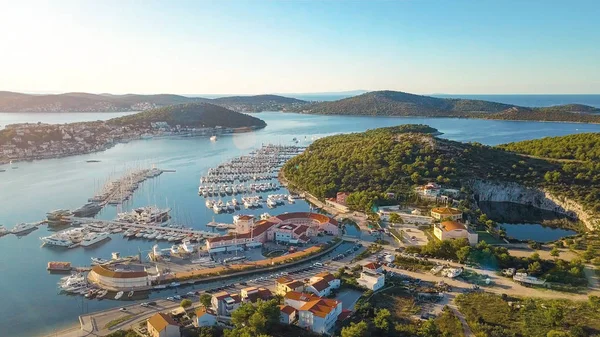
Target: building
(243, 223)
(428, 191)
(373, 267)
(119, 278)
(341, 197)
(322, 284)
(284, 285)
(292, 228)
(205, 317)
(224, 303)
(441, 213)
(162, 325)
(448, 230)
(314, 313)
(371, 280)
(287, 314)
(253, 294)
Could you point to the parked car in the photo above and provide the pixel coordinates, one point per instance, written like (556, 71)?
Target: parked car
(123, 309)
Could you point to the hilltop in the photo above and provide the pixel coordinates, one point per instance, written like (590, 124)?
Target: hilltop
(191, 115)
(395, 103)
(395, 160)
(85, 102)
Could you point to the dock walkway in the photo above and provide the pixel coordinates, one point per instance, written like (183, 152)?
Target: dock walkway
(129, 225)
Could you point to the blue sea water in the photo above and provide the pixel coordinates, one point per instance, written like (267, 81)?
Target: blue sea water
(30, 304)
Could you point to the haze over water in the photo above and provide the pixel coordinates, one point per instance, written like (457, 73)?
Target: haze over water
(27, 193)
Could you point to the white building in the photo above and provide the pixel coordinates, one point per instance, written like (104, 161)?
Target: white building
(322, 284)
(224, 303)
(287, 314)
(314, 313)
(448, 230)
(118, 279)
(371, 280)
(440, 213)
(205, 317)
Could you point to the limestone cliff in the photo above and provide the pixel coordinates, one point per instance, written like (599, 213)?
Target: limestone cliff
(535, 197)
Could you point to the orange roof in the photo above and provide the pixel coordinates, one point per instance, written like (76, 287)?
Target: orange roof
(103, 271)
(259, 228)
(301, 229)
(452, 225)
(202, 310)
(446, 211)
(322, 219)
(320, 285)
(284, 279)
(245, 217)
(160, 321)
(320, 307)
(286, 309)
(221, 295)
(298, 296)
(326, 276)
(294, 284)
(372, 266)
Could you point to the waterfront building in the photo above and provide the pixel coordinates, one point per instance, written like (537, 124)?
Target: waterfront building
(243, 223)
(450, 213)
(371, 280)
(224, 303)
(284, 285)
(119, 278)
(314, 313)
(205, 317)
(162, 325)
(448, 230)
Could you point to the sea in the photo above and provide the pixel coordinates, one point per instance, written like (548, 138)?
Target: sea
(30, 302)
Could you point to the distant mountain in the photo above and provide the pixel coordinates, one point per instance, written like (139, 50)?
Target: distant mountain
(199, 114)
(395, 103)
(84, 102)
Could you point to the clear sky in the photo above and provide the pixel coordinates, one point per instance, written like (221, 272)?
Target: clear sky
(210, 47)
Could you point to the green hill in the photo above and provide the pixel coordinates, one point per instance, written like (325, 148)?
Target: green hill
(581, 147)
(395, 103)
(257, 99)
(396, 159)
(191, 115)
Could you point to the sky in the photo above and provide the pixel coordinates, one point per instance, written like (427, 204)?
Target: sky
(252, 47)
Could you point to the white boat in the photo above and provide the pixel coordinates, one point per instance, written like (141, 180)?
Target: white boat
(101, 294)
(56, 240)
(291, 199)
(174, 249)
(188, 247)
(130, 295)
(97, 260)
(209, 203)
(213, 138)
(118, 295)
(271, 203)
(23, 228)
(93, 238)
(3, 230)
(265, 216)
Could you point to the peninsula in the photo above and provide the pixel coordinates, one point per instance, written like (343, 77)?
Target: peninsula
(396, 103)
(373, 165)
(40, 141)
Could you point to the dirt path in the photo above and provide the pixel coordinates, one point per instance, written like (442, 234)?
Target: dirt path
(466, 328)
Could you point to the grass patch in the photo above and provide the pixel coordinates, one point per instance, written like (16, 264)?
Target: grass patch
(118, 321)
(412, 263)
(488, 238)
(449, 324)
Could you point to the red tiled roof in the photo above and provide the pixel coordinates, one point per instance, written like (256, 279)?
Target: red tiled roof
(304, 238)
(322, 219)
(344, 315)
(327, 277)
(298, 296)
(446, 211)
(372, 266)
(103, 271)
(160, 321)
(246, 217)
(294, 284)
(286, 309)
(284, 279)
(262, 293)
(452, 225)
(259, 228)
(301, 229)
(320, 285)
(320, 307)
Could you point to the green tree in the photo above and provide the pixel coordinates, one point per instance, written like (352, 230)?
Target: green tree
(395, 218)
(429, 329)
(554, 252)
(463, 253)
(206, 300)
(382, 319)
(534, 268)
(355, 330)
(556, 333)
(186, 303)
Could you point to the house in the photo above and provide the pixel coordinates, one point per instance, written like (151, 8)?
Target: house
(373, 267)
(287, 314)
(322, 284)
(448, 230)
(162, 325)
(224, 303)
(253, 294)
(205, 317)
(285, 284)
(314, 313)
(441, 213)
(341, 197)
(371, 280)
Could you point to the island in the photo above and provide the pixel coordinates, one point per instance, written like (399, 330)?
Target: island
(396, 103)
(388, 165)
(40, 141)
(85, 102)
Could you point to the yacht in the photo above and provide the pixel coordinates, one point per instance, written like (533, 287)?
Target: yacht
(94, 238)
(101, 294)
(23, 228)
(213, 138)
(97, 260)
(58, 215)
(88, 210)
(209, 203)
(271, 203)
(290, 199)
(187, 246)
(119, 295)
(265, 216)
(3, 230)
(56, 240)
(174, 249)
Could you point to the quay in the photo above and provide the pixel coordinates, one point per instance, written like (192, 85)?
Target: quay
(129, 225)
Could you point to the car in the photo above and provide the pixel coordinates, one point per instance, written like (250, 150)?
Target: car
(177, 297)
(151, 303)
(170, 298)
(243, 283)
(123, 309)
(144, 304)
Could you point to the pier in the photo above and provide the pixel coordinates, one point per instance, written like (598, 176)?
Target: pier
(129, 225)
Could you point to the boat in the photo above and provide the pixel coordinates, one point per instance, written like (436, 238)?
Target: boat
(213, 138)
(100, 295)
(265, 216)
(174, 248)
(160, 286)
(130, 295)
(93, 238)
(290, 199)
(271, 203)
(119, 295)
(23, 228)
(58, 266)
(92, 161)
(13, 167)
(88, 210)
(2, 170)
(3, 230)
(188, 246)
(56, 240)
(174, 284)
(97, 260)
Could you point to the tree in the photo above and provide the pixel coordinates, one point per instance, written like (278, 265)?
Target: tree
(554, 252)
(463, 253)
(534, 268)
(382, 319)
(186, 303)
(395, 218)
(429, 329)
(206, 300)
(556, 333)
(355, 330)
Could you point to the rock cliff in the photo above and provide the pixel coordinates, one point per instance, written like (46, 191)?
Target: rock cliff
(535, 197)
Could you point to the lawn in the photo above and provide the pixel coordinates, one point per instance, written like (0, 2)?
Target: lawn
(488, 238)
